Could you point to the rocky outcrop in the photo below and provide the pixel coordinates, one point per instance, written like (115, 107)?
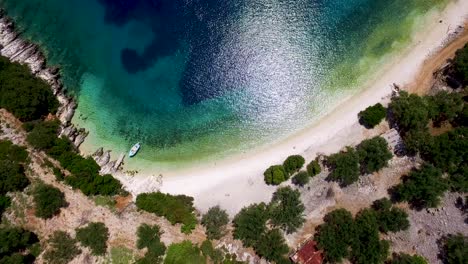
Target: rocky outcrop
(22, 51)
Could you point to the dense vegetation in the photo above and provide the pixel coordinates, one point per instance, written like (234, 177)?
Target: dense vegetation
(407, 259)
(84, 171)
(16, 244)
(313, 168)
(176, 209)
(275, 175)
(184, 253)
(36, 98)
(215, 221)
(293, 164)
(373, 154)
(455, 249)
(344, 167)
(357, 239)
(461, 64)
(301, 178)
(372, 115)
(149, 237)
(48, 200)
(62, 248)
(94, 236)
(286, 209)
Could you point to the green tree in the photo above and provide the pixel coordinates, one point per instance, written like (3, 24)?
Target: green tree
(335, 235)
(62, 248)
(461, 63)
(272, 246)
(44, 135)
(417, 141)
(5, 202)
(150, 237)
(372, 115)
(293, 164)
(12, 177)
(94, 236)
(456, 249)
(301, 178)
(11, 152)
(184, 253)
(373, 154)
(215, 255)
(344, 166)
(407, 259)
(422, 188)
(445, 106)
(15, 240)
(249, 224)
(390, 219)
(410, 111)
(287, 210)
(275, 175)
(313, 168)
(215, 221)
(366, 246)
(459, 179)
(48, 200)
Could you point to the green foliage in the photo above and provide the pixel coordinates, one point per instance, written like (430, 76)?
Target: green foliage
(48, 201)
(410, 111)
(59, 176)
(44, 134)
(249, 224)
(12, 177)
(313, 168)
(275, 175)
(286, 209)
(445, 106)
(14, 241)
(215, 221)
(272, 246)
(407, 259)
(94, 236)
(184, 253)
(5, 202)
(301, 178)
(390, 219)
(372, 115)
(461, 63)
(417, 141)
(335, 235)
(344, 166)
(456, 249)
(176, 209)
(459, 179)
(366, 247)
(422, 188)
(150, 237)
(36, 98)
(215, 255)
(62, 248)
(373, 154)
(11, 152)
(293, 164)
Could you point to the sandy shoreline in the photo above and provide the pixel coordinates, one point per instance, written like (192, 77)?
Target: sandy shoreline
(238, 181)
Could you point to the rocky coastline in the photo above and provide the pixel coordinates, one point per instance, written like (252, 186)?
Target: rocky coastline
(17, 49)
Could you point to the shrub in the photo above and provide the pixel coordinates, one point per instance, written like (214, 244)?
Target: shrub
(5, 202)
(149, 237)
(335, 235)
(313, 168)
(373, 154)
(286, 209)
(275, 175)
(184, 253)
(372, 115)
(215, 221)
(48, 200)
(43, 135)
(176, 209)
(456, 249)
(62, 248)
(461, 63)
(11, 152)
(36, 98)
(407, 259)
(293, 164)
(249, 224)
(12, 177)
(94, 236)
(422, 188)
(272, 246)
(345, 167)
(301, 178)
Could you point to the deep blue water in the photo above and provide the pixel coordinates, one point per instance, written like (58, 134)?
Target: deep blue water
(195, 79)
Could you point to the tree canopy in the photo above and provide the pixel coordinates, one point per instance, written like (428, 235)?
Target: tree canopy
(313, 168)
(62, 248)
(272, 246)
(373, 154)
(390, 219)
(215, 221)
(301, 178)
(149, 237)
(344, 166)
(287, 210)
(410, 111)
(13, 243)
(94, 236)
(275, 175)
(407, 259)
(456, 249)
(293, 164)
(184, 253)
(461, 63)
(249, 224)
(48, 200)
(372, 115)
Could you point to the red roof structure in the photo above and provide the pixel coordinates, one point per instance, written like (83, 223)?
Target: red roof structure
(308, 254)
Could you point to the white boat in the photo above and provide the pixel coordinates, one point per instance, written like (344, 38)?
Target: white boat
(133, 151)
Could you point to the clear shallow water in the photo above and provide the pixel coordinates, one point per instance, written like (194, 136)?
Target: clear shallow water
(202, 79)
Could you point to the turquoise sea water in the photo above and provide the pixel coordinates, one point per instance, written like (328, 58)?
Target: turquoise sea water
(194, 80)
